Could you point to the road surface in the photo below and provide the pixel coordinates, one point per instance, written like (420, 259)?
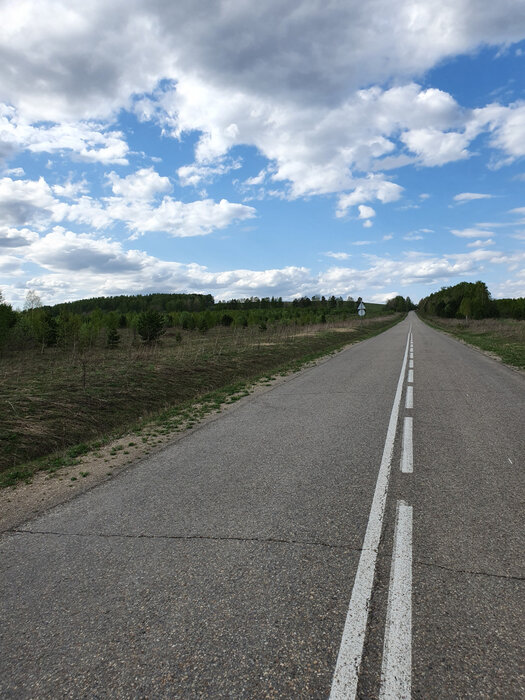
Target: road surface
(357, 531)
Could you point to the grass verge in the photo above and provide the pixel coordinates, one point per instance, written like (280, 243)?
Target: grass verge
(62, 408)
(504, 338)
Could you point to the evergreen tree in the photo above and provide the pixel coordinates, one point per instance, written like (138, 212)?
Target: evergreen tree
(150, 326)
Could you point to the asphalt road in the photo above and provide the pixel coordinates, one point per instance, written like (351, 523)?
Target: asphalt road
(244, 560)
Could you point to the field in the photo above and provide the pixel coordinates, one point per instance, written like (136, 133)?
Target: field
(58, 404)
(504, 338)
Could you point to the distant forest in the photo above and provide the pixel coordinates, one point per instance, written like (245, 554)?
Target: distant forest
(470, 300)
(91, 322)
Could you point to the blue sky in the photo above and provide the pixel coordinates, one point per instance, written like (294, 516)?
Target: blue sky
(287, 149)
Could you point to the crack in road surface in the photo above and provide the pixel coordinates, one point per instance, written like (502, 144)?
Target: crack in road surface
(468, 571)
(212, 538)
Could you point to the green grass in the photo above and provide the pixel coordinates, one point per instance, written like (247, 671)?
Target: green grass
(504, 338)
(49, 421)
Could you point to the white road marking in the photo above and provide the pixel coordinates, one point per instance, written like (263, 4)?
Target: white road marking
(409, 402)
(346, 674)
(407, 460)
(410, 379)
(396, 672)
(411, 364)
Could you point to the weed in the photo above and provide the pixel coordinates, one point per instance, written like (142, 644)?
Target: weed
(78, 450)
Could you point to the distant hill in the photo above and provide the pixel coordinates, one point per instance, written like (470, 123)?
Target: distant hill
(137, 303)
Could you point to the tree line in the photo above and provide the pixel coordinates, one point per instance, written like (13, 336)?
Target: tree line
(86, 323)
(470, 300)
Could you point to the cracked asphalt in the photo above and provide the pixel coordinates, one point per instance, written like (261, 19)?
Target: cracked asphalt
(222, 567)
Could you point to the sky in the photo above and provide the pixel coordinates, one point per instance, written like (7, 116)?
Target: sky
(245, 149)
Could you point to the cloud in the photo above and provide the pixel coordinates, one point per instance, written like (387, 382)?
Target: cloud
(180, 219)
(381, 297)
(65, 251)
(337, 256)
(434, 147)
(143, 185)
(472, 233)
(288, 82)
(16, 237)
(369, 189)
(33, 203)
(70, 190)
(198, 173)
(25, 202)
(365, 212)
(480, 243)
(80, 265)
(413, 268)
(95, 58)
(89, 141)
(470, 196)
(256, 179)
(10, 266)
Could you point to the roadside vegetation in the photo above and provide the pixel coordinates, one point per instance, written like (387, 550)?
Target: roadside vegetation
(504, 338)
(71, 380)
(468, 312)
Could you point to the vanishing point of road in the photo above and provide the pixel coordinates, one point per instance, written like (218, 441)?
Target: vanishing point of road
(354, 532)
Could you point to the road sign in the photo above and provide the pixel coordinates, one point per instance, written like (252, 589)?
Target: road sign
(361, 309)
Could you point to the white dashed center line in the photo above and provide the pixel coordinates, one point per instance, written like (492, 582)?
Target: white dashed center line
(409, 401)
(407, 460)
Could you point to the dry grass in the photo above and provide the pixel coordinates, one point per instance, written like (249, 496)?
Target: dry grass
(56, 400)
(504, 338)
